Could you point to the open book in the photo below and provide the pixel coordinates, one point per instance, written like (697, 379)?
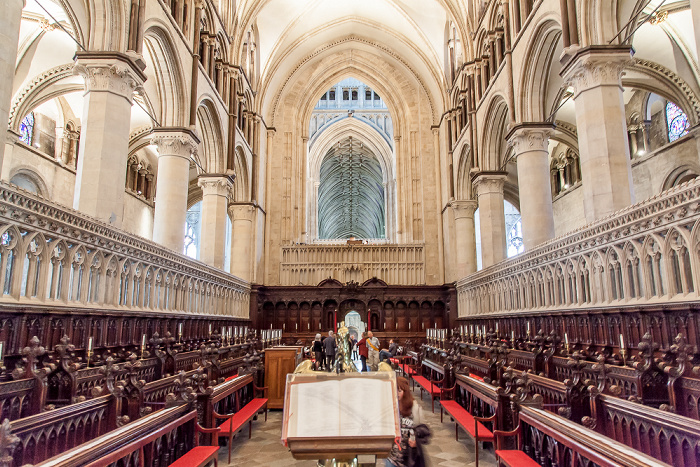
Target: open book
(341, 407)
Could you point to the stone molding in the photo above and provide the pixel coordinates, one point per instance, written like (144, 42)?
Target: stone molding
(597, 66)
(215, 185)
(464, 208)
(179, 142)
(242, 212)
(489, 182)
(529, 137)
(647, 231)
(109, 72)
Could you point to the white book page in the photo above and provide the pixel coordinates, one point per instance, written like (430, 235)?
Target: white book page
(314, 409)
(367, 407)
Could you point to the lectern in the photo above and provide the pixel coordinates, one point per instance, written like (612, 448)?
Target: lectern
(340, 415)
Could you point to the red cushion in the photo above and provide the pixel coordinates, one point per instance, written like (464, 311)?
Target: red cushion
(231, 377)
(427, 385)
(466, 420)
(471, 375)
(196, 456)
(233, 424)
(516, 458)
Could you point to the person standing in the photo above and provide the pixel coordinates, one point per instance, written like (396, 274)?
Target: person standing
(318, 351)
(373, 351)
(363, 349)
(329, 347)
(353, 346)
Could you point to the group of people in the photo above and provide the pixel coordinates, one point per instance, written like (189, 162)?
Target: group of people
(366, 348)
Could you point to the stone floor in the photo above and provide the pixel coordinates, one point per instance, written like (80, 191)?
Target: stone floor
(265, 447)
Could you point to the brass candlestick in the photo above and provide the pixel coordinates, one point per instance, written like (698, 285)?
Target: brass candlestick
(623, 352)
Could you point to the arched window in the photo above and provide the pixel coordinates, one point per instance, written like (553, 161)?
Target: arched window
(677, 122)
(192, 230)
(26, 129)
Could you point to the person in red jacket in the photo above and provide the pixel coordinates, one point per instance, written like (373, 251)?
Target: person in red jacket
(364, 351)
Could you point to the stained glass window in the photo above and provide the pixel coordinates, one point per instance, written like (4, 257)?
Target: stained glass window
(677, 122)
(26, 129)
(192, 229)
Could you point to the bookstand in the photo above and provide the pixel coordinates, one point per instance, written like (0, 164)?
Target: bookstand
(340, 415)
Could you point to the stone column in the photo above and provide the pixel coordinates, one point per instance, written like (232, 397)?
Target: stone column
(241, 242)
(531, 147)
(110, 81)
(595, 72)
(9, 41)
(215, 195)
(175, 145)
(465, 234)
(492, 218)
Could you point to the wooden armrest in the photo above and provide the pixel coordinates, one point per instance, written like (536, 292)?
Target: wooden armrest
(486, 419)
(200, 429)
(444, 390)
(263, 389)
(501, 434)
(219, 416)
(435, 382)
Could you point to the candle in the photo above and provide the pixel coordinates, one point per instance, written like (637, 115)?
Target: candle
(409, 325)
(296, 326)
(309, 325)
(512, 336)
(209, 328)
(471, 329)
(496, 328)
(622, 342)
(528, 329)
(284, 326)
(566, 339)
(143, 341)
(223, 332)
(483, 330)
(270, 325)
(2, 344)
(179, 329)
(90, 344)
(230, 332)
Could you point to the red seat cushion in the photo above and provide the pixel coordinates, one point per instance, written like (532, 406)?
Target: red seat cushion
(471, 375)
(233, 424)
(516, 458)
(466, 421)
(427, 385)
(231, 377)
(199, 455)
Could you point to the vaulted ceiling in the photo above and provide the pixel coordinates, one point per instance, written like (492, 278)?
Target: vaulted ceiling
(351, 193)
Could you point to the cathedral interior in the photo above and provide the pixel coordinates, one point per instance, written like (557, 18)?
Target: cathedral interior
(505, 188)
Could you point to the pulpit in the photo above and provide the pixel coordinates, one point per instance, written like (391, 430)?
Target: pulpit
(279, 362)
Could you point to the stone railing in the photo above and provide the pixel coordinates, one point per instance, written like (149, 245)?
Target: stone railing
(54, 256)
(394, 264)
(647, 253)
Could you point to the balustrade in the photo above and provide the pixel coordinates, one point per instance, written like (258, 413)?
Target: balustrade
(394, 264)
(53, 256)
(644, 254)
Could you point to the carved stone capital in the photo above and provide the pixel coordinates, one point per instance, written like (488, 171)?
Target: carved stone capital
(597, 66)
(242, 212)
(489, 182)
(180, 142)
(464, 208)
(109, 72)
(528, 137)
(215, 185)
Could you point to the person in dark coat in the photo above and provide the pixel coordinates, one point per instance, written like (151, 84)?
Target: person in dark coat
(329, 347)
(318, 351)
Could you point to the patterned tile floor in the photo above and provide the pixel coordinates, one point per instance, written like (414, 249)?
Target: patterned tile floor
(266, 449)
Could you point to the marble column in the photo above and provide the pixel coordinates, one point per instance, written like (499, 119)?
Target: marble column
(175, 146)
(242, 239)
(216, 189)
(465, 235)
(594, 72)
(110, 81)
(9, 41)
(492, 218)
(531, 147)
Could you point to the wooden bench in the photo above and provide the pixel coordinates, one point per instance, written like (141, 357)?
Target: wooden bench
(243, 411)
(431, 387)
(470, 396)
(165, 437)
(563, 442)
